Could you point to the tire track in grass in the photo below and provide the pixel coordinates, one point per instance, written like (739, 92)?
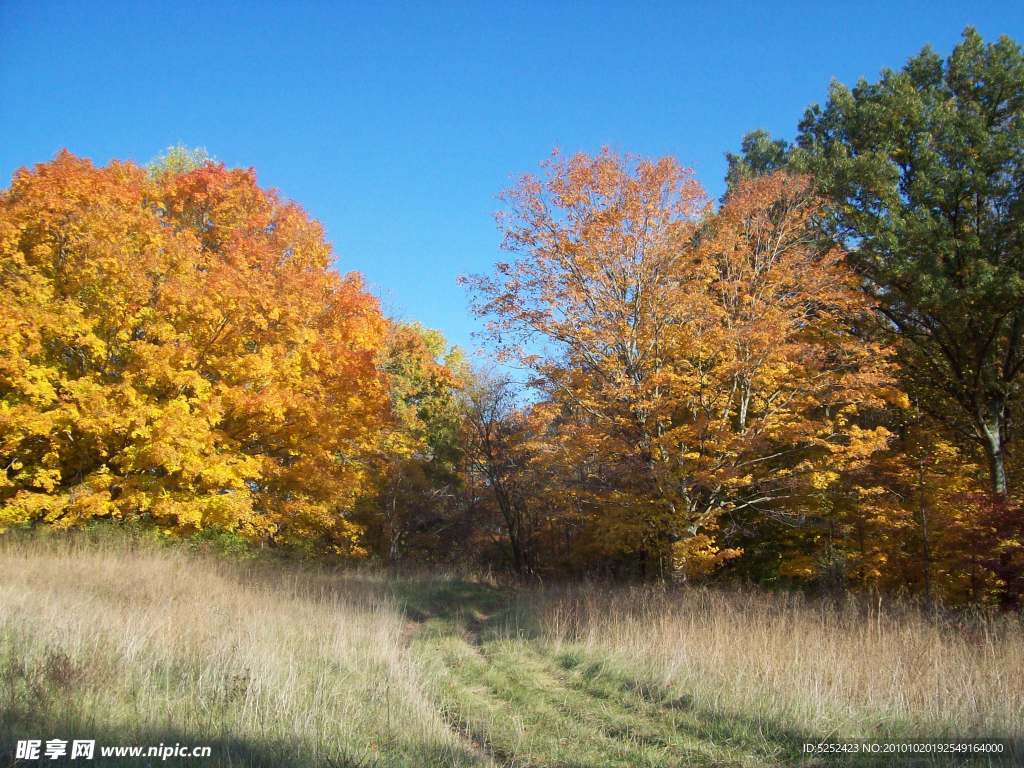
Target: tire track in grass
(520, 708)
(657, 735)
(436, 655)
(670, 715)
(509, 715)
(564, 723)
(522, 705)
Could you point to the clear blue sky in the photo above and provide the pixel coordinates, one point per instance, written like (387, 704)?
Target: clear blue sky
(397, 124)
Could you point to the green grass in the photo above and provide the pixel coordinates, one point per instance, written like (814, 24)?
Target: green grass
(292, 665)
(524, 702)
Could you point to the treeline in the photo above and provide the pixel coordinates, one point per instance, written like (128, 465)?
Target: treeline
(814, 382)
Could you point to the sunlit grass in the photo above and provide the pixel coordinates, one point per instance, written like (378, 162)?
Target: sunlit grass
(276, 664)
(861, 669)
(271, 666)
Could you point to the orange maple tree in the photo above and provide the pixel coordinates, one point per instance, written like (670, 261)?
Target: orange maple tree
(717, 359)
(174, 345)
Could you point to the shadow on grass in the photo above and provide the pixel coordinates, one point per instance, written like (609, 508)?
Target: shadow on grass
(452, 602)
(225, 751)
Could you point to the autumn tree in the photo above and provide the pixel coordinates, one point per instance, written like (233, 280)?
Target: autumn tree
(179, 159)
(175, 347)
(914, 517)
(415, 507)
(720, 358)
(497, 439)
(924, 171)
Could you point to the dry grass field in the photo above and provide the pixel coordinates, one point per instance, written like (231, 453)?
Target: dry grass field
(276, 664)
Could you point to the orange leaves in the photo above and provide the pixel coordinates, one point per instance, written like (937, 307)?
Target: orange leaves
(596, 229)
(720, 356)
(785, 318)
(176, 347)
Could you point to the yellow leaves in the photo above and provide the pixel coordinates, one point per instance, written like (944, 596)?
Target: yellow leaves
(46, 479)
(895, 397)
(38, 386)
(803, 567)
(22, 508)
(863, 443)
(822, 479)
(61, 508)
(90, 499)
(184, 333)
(698, 555)
(191, 512)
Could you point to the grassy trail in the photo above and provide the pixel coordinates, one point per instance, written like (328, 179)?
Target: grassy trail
(525, 703)
(288, 667)
(522, 701)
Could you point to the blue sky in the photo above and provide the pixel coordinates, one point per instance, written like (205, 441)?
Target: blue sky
(396, 125)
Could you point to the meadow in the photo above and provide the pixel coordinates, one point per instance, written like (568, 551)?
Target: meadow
(297, 664)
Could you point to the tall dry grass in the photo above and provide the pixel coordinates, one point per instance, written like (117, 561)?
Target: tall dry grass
(295, 665)
(859, 669)
(271, 666)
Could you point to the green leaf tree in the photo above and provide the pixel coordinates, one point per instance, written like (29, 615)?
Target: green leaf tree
(926, 170)
(760, 155)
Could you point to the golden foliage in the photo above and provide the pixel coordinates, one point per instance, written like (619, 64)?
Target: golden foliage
(176, 346)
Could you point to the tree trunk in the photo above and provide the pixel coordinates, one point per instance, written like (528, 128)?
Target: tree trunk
(992, 431)
(926, 554)
(512, 527)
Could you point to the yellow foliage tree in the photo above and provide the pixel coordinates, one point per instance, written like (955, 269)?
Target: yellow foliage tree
(174, 346)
